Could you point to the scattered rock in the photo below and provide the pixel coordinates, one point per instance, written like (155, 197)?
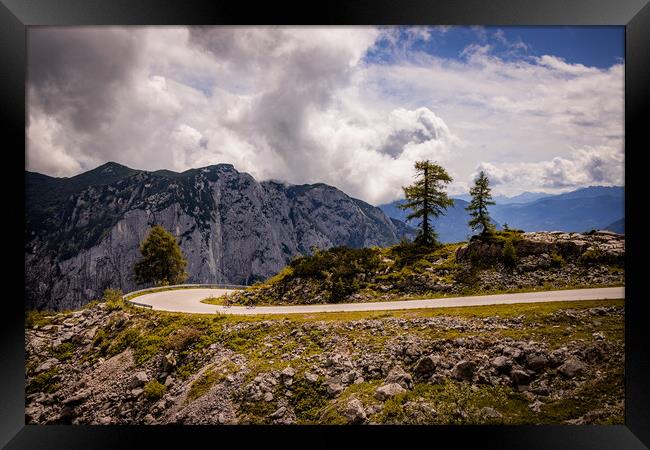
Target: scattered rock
(354, 411)
(520, 377)
(490, 413)
(536, 406)
(388, 391)
(334, 387)
(501, 363)
(168, 362)
(536, 361)
(572, 367)
(279, 413)
(287, 375)
(138, 379)
(76, 399)
(464, 370)
(399, 376)
(47, 365)
(425, 367)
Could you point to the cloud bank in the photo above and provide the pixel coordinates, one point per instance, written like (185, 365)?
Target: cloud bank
(306, 104)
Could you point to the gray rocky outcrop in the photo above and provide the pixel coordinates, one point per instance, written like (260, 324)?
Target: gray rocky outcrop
(82, 233)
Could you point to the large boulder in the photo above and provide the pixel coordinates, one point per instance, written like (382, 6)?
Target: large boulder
(572, 367)
(399, 376)
(354, 411)
(464, 370)
(501, 363)
(425, 367)
(387, 391)
(138, 380)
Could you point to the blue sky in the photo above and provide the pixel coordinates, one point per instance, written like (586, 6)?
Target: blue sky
(595, 46)
(536, 108)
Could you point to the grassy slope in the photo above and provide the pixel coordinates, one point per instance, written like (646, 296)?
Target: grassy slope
(149, 333)
(392, 273)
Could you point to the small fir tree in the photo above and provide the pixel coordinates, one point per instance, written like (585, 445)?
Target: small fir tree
(162, 261)
(478, 206)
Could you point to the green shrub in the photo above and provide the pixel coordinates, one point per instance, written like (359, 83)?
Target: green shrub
(556, 260)
(44, 382)
(181, 339)
(64, 351)
(37, 318)
(113, 299)
(308, 400)
(509, 253)
(126, 339)
(590, 257)
(154, 390)
(202, 384)
(408, 253)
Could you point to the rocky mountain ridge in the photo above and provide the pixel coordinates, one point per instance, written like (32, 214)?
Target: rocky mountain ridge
(82, 233)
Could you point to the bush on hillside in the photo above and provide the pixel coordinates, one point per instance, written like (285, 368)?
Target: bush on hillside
(509, 254)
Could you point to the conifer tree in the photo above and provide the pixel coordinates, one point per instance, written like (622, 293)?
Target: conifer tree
(427, 199)
(478, 206)
(162, 261)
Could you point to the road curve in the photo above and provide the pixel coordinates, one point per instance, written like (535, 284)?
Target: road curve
(189, 301)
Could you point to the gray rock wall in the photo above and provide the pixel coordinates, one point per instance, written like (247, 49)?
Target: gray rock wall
(231, 229)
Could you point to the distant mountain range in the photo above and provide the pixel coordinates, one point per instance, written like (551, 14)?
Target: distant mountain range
(82, 233)
(594, 207)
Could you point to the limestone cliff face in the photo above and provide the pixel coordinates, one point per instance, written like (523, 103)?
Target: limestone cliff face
(82, 233)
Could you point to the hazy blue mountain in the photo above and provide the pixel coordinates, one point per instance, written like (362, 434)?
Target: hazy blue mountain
(524, 197)
(594, 207)
(617, 227)
(452, 227)
(589, 208)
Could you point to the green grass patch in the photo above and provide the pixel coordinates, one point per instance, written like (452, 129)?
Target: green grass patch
(154, 390)
(211, 376)
(308, 401)
(34, 318)
(45, 381)
(64, 351)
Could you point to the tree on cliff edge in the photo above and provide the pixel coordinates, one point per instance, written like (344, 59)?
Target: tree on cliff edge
(426, 198)
(162, 261)
(478, 207)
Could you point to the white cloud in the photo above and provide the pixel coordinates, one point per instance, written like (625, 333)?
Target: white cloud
(583, 167)
(301, 104)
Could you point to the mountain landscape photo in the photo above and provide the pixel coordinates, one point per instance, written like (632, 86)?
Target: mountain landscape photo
(324, 226)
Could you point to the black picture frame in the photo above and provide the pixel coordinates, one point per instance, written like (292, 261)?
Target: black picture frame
(16, 15)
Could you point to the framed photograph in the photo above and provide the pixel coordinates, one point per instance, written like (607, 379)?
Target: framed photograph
(416, 220)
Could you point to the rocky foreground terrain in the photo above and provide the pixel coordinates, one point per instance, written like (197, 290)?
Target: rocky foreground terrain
(112, 363)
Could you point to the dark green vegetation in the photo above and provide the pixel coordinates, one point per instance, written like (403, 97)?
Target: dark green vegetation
(426, 199)
(162, 261)
(154, 390)
(478, 207)
(206, 346)
(494, 262)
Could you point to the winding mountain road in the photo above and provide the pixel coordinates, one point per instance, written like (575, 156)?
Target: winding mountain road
(189, 301)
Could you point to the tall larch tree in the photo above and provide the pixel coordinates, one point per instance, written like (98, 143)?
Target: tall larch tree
(478, 206)
(427, 199)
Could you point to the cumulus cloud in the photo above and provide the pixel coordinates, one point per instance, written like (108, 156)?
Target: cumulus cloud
(304, 105)
(583, 167)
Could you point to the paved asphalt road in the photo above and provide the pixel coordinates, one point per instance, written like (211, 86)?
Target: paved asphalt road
(189, 301)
